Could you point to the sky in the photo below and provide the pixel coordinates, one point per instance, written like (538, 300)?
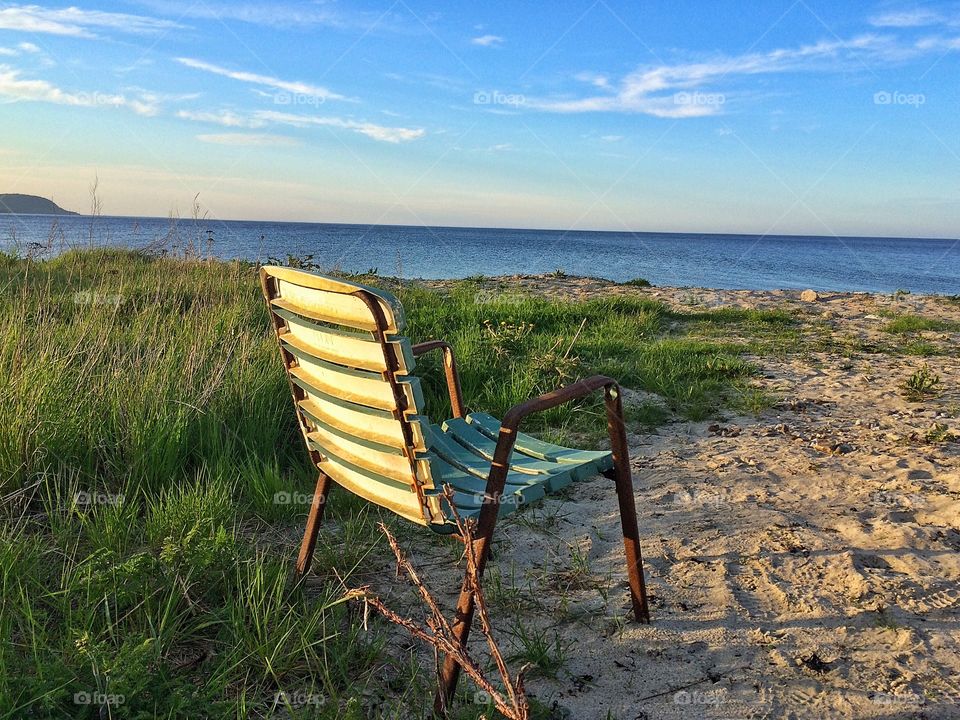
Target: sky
(778, 117)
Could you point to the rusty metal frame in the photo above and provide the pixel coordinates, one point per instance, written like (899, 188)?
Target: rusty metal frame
(400, 397)
(322, 490)
(496, 480)
(449, 370)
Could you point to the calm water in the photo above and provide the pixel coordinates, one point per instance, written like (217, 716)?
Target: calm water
(717, 261)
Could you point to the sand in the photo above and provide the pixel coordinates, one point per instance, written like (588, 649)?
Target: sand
(802, 564)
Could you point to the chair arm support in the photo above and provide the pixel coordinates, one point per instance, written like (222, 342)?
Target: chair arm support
(449, 369)
(511, 423)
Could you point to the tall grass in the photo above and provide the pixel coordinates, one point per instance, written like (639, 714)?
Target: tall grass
(145, 431)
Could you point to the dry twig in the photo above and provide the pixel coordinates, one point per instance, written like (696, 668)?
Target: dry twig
(438, 633)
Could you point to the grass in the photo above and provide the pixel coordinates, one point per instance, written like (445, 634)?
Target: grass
(917, 323)
(154, 482)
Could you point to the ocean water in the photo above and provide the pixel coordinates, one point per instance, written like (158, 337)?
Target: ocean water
(678, 259)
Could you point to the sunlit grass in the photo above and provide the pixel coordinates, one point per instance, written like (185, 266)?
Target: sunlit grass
(148, 431)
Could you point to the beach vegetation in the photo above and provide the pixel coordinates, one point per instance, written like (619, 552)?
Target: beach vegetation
(917, 323)
(921, 385)
(155, 484)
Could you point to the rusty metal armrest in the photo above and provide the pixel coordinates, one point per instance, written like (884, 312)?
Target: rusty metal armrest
(449, 369)
(487, 520)
(620, 473)
(511, 423)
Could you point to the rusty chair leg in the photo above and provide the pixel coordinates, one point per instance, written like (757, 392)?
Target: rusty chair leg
(628, 511)
(450, 670)
(314, 519)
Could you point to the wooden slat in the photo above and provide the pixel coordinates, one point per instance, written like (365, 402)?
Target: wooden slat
(343, 348)
(361, 422)
(333, 301)
(393, 465)
(467, 436)
(528, 445)
(361, 387)
(314, 421)
(378, 490)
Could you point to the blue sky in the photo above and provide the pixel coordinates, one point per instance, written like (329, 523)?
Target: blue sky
(774, 117)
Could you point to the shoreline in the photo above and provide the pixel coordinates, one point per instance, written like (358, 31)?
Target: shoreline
(584, 287)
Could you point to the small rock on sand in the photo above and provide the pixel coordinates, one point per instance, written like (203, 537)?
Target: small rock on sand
(809, 296)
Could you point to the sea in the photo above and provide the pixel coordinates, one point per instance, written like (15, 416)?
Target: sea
(753, 262)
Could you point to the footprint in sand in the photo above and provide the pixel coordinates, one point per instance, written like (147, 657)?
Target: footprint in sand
(932, 602)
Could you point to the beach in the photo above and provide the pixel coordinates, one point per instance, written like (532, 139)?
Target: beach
(802, 563)
(796, 469)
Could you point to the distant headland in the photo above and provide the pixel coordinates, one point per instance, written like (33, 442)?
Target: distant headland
(14, 203)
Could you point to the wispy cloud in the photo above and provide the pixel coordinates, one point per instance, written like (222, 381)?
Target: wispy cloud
(247, 139)
(276, 14)
(227, 118)
(264, 118)
(487, 40)
(673, 91)
(371, 130)
(73, 21)
(288, 86)
(595, 79)
(15, 88)
(916, 17)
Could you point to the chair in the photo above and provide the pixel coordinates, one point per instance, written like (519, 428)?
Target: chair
(361, 411)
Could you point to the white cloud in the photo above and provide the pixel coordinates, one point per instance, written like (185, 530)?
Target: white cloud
(75, 22)
(611, 138)
(371, 130)
(672, 91)
(247, 139)
(227, 118)
(15, 88)
(595, 79)
(24, 47)
(917, 17)
(293, 87)
(264, 118)
(487, 40)
(277, 14)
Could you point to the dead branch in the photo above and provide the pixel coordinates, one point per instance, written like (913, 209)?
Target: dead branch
(438, 633)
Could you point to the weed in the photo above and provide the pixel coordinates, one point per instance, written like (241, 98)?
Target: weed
(542, 648)
(939, 433)
(921, 385)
